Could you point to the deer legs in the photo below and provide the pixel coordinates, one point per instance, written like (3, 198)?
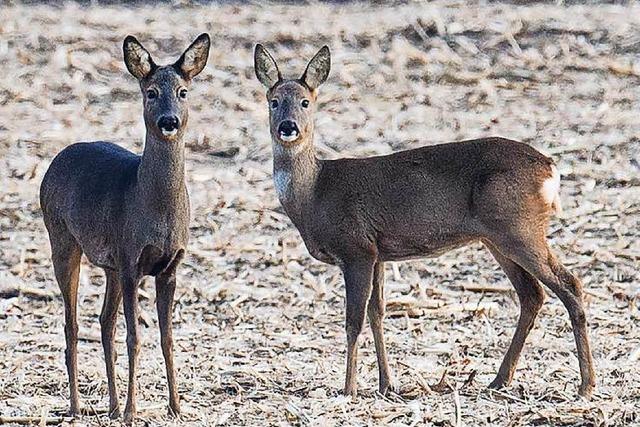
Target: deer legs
(165, 289)
(117, 287)
(531, 297)
(130, 302)
(534, 256)
(375, 311)
(358, 278)
(66, 255)
(569, 289)
(364, 283)
(108, 318)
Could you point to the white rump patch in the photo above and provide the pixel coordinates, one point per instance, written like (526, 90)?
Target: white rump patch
(550, 190)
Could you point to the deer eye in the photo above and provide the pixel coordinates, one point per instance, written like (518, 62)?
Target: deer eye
(182, 93)
(274, 103)
(304, 103)
(152, 93)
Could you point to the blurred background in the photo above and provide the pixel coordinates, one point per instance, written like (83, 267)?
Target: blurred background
(259, 324)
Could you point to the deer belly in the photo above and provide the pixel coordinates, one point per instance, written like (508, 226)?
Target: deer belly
(397, 248)
(101, 258)
(98, 252)
(321, 252)
(153, 260)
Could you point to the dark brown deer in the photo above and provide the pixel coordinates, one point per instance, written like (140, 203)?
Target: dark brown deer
(360, 213)
(128, 214)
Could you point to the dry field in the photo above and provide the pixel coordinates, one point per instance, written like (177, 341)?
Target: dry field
(258, 323)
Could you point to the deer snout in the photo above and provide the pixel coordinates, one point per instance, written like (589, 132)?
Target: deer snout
(169, 125)
(288, 131)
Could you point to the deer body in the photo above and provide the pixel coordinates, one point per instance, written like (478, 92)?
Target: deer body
(129, 215)
(361, 213)
(116, 213)
(412, 204)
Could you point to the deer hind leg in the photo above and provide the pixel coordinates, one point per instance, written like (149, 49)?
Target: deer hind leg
(358, 278)
(375, 311)
(108, 318)
(531, 297)
(570, 291)
(66, 255)
(535, 256)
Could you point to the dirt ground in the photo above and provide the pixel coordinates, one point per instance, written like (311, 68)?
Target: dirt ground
(258, 323)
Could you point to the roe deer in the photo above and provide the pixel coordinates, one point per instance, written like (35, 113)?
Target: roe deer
(128, 214)
(360, 213)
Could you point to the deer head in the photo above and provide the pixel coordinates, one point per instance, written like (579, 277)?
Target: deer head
(291, 101)
(165, 88)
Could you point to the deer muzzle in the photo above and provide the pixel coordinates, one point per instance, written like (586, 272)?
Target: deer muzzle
(169, 125)
(288, 131)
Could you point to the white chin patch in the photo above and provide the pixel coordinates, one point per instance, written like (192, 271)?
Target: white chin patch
(289, 138)
(169, 132)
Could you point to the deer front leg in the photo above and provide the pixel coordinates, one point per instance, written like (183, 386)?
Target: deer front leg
(130, 300)
(358, 282)
(108, 318)
(165, 289)
(375, 311)
(66, 255)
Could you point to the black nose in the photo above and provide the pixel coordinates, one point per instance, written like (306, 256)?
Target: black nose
(168, 123)
(288, 128)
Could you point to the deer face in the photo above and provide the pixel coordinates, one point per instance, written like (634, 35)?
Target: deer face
(291, 106)
(165, 88)
(291, 101)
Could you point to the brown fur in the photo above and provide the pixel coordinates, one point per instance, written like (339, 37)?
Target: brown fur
(360, 213)
(128, 214)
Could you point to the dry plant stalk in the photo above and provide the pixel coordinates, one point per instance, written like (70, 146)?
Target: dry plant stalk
(572, 91)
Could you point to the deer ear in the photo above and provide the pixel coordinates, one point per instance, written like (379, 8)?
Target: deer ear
(265, 67)
(318, 69)
(193, 60)
(136, 58)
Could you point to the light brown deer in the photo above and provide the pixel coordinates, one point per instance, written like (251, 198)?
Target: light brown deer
(360, 213)
(128, 214)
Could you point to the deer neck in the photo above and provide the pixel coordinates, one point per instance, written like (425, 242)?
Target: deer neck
(161, 178)
(295, 172)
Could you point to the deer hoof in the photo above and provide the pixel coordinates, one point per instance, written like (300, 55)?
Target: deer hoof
(387, 390)
(74, 410)
(174, 410)
(498, 383)
(114, 413)
(349, 391)
(586, 390)
(128, 417)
